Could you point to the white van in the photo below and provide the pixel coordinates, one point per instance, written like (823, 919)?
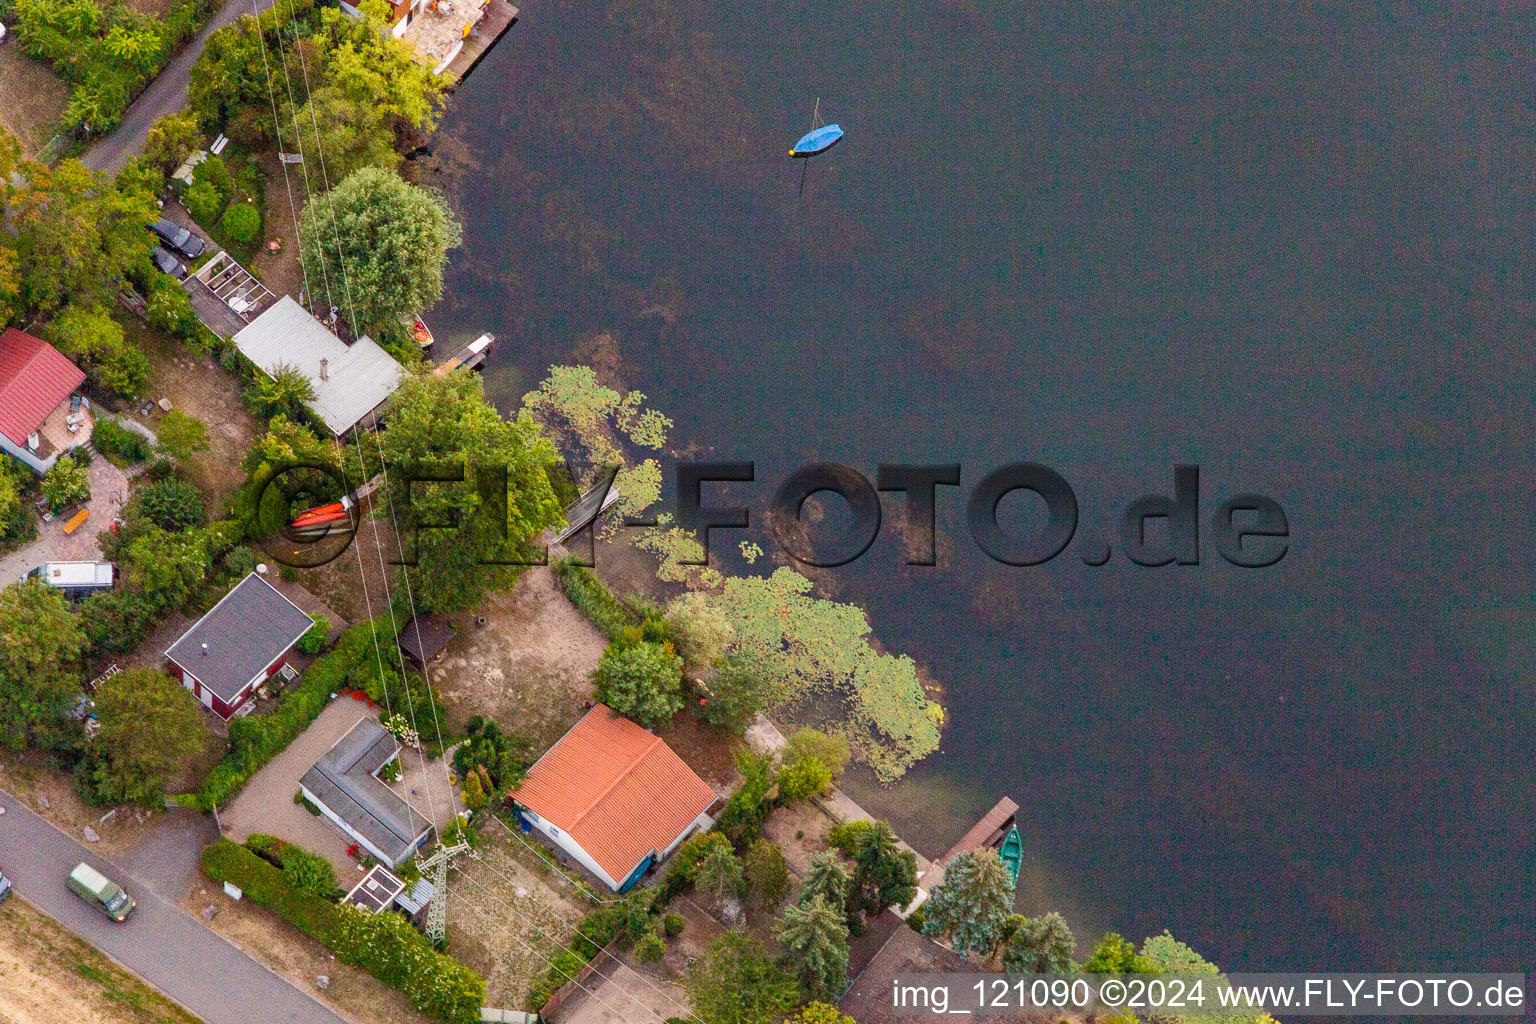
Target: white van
(76, 579)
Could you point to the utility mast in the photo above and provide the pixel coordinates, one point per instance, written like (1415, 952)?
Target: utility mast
(436, 866)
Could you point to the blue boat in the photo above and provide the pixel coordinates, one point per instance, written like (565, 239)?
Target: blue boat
(817, 140)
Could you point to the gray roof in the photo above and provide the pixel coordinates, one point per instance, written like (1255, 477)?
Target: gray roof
(359, 376)
(245, 632)
(343, 780)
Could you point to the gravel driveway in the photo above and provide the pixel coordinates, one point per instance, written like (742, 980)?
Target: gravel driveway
(266, 803)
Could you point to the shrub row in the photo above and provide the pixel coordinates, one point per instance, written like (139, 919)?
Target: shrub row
(121, 446)
(593, 599)
(256, 739)
(385, 945)
(594, 933)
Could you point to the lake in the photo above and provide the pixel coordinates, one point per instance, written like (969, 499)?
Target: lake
(1290, 247)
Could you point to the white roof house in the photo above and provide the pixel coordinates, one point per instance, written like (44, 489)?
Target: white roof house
(349, 381)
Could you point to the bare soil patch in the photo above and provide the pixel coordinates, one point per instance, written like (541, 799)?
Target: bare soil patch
(202, 388)
(799, 831)
(509, 915)
(528, 667)
(353, 993)
(48, 974)
(32, 98)
(280, 271)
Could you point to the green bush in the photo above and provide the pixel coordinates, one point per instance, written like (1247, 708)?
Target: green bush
(203, 202)
(593, 599)
(748, 807)
(650, 948)
(387, 946)
(121, 446)
(242, 222)
(66, 483)
(673, 925)
(171, 504)
(846, 836)
(313, 642)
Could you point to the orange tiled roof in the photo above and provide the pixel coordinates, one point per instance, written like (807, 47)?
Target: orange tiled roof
(617, 790)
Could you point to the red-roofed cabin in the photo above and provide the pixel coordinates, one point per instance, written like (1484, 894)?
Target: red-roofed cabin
(614, 797)
(40, 419)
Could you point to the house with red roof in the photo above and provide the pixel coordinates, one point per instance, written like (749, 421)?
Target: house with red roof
(614, 797)
(41, 418)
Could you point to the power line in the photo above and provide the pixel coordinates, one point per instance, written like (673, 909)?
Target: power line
(518, 939)
(600, 947)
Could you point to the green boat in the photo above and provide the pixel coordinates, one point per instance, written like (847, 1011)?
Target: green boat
(1011, 853)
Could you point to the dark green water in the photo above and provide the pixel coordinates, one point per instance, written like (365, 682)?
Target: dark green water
(1293, 248)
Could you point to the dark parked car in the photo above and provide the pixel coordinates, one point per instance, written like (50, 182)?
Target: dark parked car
(168, 264)
(178, 238)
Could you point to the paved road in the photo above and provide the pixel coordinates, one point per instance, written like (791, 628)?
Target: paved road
(161, 943)
(165, 95)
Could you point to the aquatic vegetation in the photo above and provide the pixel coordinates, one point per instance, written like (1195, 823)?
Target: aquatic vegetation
(803, 646)
(807, 646)
(598, 420)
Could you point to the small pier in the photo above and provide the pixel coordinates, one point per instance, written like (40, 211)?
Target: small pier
(498, 17)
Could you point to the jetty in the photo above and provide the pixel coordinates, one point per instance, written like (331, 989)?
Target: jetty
(498, 16)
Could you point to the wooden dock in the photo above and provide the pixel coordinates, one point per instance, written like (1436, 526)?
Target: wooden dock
(499, 16)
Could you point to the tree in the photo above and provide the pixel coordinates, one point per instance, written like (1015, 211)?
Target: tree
(737, 693)
(1114, 954)
(38, 648)
(384, 241)
(720, 875)
(827, 879)
(831, 751)
(88, 334)
(150, 728)
(66, 483)
(804, 778)
(816, 1012)
(815, 940)
(767, 873)
(699, 628)
(76, 234)
(169, 309)
(283, 392)
(971, 906)
(1166, 953)
(695, 850)
(1041, 945)
(172, 138)
(643, 682)
(181, 436)
(733, 982)
(164, 567)
(85, 333)
(650, 948)
(504, 499)
(884, 874)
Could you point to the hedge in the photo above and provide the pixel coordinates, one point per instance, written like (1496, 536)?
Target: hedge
(385, 945)
(256, 739)
(593, 599)
(593, 934)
